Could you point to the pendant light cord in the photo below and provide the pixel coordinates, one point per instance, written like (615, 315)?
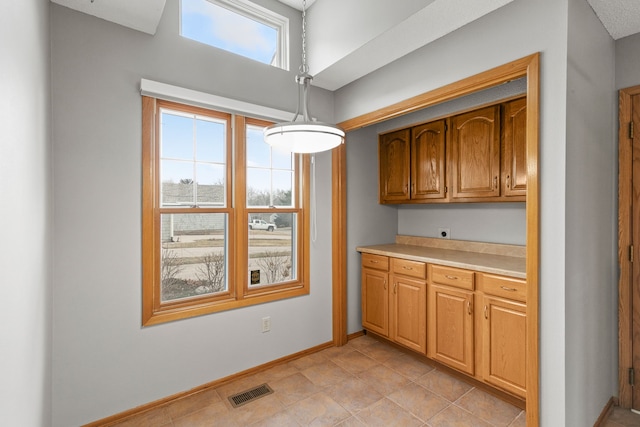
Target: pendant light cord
(303, 67)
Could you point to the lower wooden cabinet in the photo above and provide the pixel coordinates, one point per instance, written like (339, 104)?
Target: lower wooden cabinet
(375, 293)
(451, 326)
(504, 332)
(409, 306)
(375, 301)
(504, 344)
(473, 322)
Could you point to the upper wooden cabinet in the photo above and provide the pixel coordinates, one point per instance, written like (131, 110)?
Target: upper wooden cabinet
(514, 143)
(475, 149)
(412, 164)
(428, 171)
(479, 157)
(394, 162)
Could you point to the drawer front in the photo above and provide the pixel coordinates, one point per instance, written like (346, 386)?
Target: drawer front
(503, 286)
(378, 262)
(452, 277)
(409, 268)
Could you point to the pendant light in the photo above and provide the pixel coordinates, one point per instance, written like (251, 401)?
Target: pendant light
(305, 135)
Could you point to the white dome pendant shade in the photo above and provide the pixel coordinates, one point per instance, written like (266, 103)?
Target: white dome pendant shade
(306, 135)
(303, 136)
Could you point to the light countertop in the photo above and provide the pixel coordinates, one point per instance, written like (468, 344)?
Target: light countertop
(484, 257)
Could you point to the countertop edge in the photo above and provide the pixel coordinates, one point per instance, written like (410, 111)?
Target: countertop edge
(447, 260)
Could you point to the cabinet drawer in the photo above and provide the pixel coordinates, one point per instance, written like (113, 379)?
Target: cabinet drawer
(379, 262)
(502, 286)
(409, 268)
(452, 276)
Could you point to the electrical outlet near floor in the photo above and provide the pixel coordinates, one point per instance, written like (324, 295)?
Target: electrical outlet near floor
(444, 233)
(266, 324)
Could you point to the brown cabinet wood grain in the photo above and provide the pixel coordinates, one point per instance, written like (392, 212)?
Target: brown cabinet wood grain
(504, 344)
(409, 313)
(394, 165)
(514, 146)
(476, 156)
(450, 327)
(450, 324)
(428, 161)
(375, 301)
(431, 309)
(475, 153)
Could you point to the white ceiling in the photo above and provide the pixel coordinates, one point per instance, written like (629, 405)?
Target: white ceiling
(621, 18)
(141, 15)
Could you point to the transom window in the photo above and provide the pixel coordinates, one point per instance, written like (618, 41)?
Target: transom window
(237, 26)
(217, 233)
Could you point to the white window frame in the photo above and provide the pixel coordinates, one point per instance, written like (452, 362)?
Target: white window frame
(264, 16)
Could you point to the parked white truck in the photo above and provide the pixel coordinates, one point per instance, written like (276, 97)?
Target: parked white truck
(259, 224)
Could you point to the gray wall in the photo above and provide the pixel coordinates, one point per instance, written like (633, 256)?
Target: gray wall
(518, 29)
(628, 61)
(368, 222)
(591, 214)
(104, 362)
(25, 210)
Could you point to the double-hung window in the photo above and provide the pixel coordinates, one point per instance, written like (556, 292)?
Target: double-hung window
(223, 214)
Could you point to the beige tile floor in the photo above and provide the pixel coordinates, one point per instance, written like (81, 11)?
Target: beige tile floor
(364, 383)
(622, 418)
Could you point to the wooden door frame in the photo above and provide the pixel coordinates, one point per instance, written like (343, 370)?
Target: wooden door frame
(625, 296)
(528, 67)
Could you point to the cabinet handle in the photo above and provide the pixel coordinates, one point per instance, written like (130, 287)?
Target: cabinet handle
(406, 188)
(384, 283)
(508, 182)
(451, 277)
(407, 268)
(508, 289)
(486, 313)
(395, 285)
(495, 182)
(373, 261)
(469, 307)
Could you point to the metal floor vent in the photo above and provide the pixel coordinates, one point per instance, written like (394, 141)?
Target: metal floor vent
(245, 397)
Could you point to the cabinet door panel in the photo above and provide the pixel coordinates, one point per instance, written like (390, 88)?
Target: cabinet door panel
(394, 166)
(409, 313)
(451, 327)
(515, 146)
(504, 344)
(428, 171)
(476, 153)
(375, 301)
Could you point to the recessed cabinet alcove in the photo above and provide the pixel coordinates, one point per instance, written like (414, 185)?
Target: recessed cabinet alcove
(517, 170)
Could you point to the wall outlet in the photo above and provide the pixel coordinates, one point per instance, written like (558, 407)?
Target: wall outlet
(444, 233)
(266, 324)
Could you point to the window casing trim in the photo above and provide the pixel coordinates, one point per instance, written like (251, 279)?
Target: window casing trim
(238, 293)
